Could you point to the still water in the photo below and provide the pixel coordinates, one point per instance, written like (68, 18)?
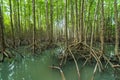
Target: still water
(37, 68)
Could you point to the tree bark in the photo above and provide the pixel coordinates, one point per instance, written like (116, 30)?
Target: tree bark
(116, 27)
(93, 26)
(19, 26)
(2, 33)
(94, 23)
(51, 21)
(81, 20)
(34, 24)
(66, 25)
(15, 20)
(25, 15)
(11, 22)
(47, 20)
(76, 8)
(102, 27)
(72, 18)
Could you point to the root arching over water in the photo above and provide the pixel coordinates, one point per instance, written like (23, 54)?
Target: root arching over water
(80, 50)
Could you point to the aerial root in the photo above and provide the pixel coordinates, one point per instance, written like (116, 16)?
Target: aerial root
(66, 54)
(111, 64)
(77, 68)
(95, 69)
(6, 54)
(81, 50)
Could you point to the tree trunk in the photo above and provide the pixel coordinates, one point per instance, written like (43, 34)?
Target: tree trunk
(11, 20)
(34, 24)
(116, 27)
(89, 22)
(47, 20)
(15, 18)
(19, 26)
(93, 26)
(51, 21)
(81, 20)
(96, 29)
(25, 16)
(76, 7)
(66, 25)
(72, 18)
(102, 27)
(2, 33)
(94, 23)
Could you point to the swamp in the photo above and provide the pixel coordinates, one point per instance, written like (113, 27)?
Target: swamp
(59, 39)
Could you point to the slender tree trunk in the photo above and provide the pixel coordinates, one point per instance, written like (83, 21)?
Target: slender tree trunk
(102, 27)
(66, 25)
(57, 12)
(57, 32)
(19, 26)
(51, 21)
(11, 20)
(116, 27)
(29, 8)
(89, 23)
(25, 15)
(94, 23)
(15, 18)
(81, 20)
(93, 26)
(96, 29)
(21, 19)
(72, 18)
(47, 20)
(34, 24)
(85, 24)
(40, 16)
(2, 33)
(30, 30)
(76, 7)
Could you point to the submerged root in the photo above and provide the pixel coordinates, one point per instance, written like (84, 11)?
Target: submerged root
(5, 54)
(95, 69)
(9, 54)
(75, 64)
(61, 72)
(81, 50)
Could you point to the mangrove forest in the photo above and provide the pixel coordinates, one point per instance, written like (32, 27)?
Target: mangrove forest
(59, 39)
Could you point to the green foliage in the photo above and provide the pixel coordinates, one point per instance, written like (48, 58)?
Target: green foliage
(58, 12)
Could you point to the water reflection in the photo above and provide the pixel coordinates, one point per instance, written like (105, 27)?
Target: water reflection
(5, 71)
(117, 74)
(36, 68)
